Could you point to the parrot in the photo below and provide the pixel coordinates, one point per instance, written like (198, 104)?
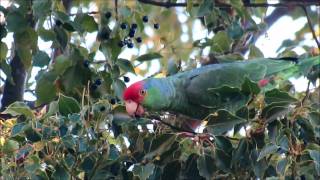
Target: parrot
(195, 93)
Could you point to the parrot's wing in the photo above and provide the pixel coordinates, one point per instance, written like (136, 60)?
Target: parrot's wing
(217, 86)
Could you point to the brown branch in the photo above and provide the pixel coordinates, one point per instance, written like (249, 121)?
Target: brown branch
(170, 125)
(307, 93)
(116, 8)
(311, 26)
(91, 12)
(169, 4)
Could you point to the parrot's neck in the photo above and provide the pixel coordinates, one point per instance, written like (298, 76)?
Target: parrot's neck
(179, 101)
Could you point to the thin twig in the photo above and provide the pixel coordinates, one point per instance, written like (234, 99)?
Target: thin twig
(310, 25)
(170, 125)
(169, 4)
(91, 12)
(307, 93)
(116, 8)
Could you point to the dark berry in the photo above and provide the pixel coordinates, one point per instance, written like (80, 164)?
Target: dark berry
(102, 108)
(131, 33)
(139, 39)
(113, 101)
(126, 79)
(134, 26)
(94, 87)
(58, 23)
(108, 15)
(86, 63)
(98, 82)
(145, 19)
(130, 45)
(123, 26)
(156, 26)
(121, 43)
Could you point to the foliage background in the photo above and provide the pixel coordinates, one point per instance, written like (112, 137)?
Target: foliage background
(78, 129)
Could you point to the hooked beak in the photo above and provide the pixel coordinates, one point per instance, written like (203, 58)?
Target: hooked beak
(133, 108)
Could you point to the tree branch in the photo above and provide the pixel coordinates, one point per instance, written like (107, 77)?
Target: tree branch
(169, 4)
(171, 126)
(310, 25)
(14, 91)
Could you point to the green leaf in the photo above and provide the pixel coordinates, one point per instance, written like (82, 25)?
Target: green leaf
(250, 87)
(32, 164)
(206, 166)
(17, 129)
(25, 56)
(114, 152)
(10, 146)
(26, 42)
(240, 151)
(32, 134)
(276, 95)
(259, 167)
(161, 144)
(60, 173)
(87, 22)
(274, 110)
(125, 65)
(62, 63)
(68, 105)
(235, 31)
(143, 171)
(205, 8)
(221, 42)
(47, 35)
(45, 88)
(3, 31)
(3, 51)
(19, 108)
(16, 22)
(40, 59)
(222, 160)
(87, 164)
(70, 160)
(41, 8)
(62, 36)
(267, 150)
(118, 87)
(222, 121)
(315, 155)
(224, 144)
(69, 141)
(282, 166)
(284, 143)
(110, 49)
(62, 16)
(255, 52)
(148, 57)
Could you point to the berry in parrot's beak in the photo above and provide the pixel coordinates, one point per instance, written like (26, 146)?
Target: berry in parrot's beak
(133, 108)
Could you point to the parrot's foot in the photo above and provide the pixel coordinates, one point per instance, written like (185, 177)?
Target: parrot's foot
(203, 138)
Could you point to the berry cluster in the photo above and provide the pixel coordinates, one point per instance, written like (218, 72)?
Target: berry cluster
(128, 40)
(96, 84)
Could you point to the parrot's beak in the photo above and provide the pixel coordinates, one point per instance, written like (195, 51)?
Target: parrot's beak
(133, 108)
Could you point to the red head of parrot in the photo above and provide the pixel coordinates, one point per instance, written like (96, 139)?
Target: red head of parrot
(133, 96)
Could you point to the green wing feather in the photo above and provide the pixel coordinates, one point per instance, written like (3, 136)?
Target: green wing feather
(203, 85)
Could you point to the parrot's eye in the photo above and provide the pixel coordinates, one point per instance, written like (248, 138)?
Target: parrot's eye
(142, 92)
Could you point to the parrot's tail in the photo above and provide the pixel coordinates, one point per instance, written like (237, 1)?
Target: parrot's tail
(301, 67)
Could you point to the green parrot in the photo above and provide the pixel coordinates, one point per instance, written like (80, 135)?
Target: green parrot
(201, 91)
